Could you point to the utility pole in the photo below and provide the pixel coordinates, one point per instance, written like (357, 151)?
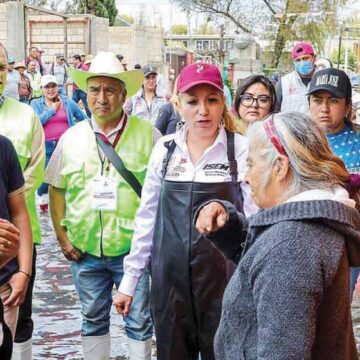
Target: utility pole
(222, 49)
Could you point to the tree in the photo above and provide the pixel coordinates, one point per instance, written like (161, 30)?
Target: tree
(297, 20)
(103, 8)
(179, 29)
(352, 61)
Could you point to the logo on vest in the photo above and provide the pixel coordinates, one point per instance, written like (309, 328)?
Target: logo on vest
(327, 79)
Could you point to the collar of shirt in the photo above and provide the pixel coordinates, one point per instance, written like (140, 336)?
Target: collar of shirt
(180, 139)
(111, 135)
(141, 93)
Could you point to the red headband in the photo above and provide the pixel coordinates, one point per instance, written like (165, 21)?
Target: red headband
(270, 130)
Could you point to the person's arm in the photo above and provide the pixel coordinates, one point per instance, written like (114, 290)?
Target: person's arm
(57, 211)
(77, 112)
(128, 106)
(34, 170)
(45, 114)
(287, 287)
(136, 262)
(221, 224)
(163, 118)
(9, 242)
(20, 218)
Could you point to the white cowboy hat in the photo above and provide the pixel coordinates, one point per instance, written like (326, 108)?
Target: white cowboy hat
(107, 64)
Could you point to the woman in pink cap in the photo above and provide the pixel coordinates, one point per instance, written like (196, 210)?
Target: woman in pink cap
(203, 160)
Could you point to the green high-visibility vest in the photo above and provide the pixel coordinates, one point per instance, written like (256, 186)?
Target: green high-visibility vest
(92, 231)
(17, 122)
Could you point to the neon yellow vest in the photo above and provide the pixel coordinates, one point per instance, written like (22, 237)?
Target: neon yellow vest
(17, 124)
(92, 231)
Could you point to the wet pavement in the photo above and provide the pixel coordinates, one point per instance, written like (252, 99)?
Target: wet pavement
(57, 312)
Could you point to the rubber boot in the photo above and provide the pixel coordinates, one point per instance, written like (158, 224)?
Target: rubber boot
(22, 351)
(96, 347)
(139, 350)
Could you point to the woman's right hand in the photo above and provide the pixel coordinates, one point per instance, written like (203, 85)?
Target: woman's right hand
(122, 303)
(211, 218)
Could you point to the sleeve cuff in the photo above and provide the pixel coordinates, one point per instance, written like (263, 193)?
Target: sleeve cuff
(128, 285)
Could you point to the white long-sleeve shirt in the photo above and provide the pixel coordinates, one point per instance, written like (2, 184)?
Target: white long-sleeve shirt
(213, 166)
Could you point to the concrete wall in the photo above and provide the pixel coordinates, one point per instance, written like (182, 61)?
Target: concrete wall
(138, 45)
(85, 33)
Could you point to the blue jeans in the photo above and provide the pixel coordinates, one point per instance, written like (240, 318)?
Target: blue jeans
(354, 274)
(78, 95)
(49, 149)
(94, 278)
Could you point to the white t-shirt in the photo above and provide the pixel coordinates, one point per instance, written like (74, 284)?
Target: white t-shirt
(212, 167)
(12, 84)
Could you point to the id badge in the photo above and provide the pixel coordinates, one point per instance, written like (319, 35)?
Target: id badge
(104, 195)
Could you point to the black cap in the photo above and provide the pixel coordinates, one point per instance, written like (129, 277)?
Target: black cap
(332, 80)
(149, 69)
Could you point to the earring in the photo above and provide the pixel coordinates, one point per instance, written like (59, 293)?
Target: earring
(221, 123)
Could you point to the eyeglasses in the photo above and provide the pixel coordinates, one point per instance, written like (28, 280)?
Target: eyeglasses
(262, 101)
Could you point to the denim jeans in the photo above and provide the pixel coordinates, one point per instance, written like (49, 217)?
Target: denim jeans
(49, 149)
(78, 95)
(94, 278)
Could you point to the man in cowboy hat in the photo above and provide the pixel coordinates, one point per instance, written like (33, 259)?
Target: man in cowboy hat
(93, 206)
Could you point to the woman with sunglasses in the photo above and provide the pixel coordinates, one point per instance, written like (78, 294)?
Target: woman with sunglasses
(289, 297)
(203, 160)
(254, 100)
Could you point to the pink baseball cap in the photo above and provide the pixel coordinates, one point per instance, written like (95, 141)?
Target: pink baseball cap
(201, 73)
(302, 48)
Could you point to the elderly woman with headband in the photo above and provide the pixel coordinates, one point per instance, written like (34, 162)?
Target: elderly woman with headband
(289, 296)
(203, 160)
(254, 100)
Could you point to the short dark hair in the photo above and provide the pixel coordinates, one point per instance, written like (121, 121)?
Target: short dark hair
(137, 66)
(253, 79)
(77, 57)
(120, 57)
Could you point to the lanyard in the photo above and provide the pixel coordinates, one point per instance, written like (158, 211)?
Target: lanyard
(118, 135)
(107, 141)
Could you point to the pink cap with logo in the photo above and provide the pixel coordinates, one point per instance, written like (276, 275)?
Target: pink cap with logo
(201, 73)
(302, 48)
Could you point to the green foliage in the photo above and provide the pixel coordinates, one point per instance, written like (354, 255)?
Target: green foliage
(179, 29)
(103, 8)
(205, 29)
(352, 61)
(306, 20)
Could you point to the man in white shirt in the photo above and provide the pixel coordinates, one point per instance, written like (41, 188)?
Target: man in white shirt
(12, 80)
